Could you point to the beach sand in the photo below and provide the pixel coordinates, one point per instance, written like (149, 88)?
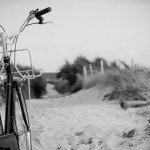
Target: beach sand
(83, 121)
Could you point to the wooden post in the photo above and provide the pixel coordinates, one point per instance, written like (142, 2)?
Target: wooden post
(91, 71)
(133, 66)
(102, 66)
(84, 71)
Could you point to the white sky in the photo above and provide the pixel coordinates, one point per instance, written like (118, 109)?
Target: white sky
(113, 29)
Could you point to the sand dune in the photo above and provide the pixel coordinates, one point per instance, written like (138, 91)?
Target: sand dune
(83, 121)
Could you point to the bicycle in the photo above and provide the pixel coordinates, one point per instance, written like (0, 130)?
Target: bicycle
(15, 132)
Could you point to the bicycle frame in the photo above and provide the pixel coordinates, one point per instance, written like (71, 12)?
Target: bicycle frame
(9, 126)
(8, 85)
(13, 89)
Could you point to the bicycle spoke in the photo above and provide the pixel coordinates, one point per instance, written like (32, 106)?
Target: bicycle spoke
(21, 127)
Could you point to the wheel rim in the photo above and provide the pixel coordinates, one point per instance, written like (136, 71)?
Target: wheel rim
(23, 135)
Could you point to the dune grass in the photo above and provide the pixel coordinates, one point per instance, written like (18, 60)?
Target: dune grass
(129, 83)
(125, 83)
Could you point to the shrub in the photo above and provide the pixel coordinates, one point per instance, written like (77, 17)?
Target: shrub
(125, 83)
(68, 72)
(38, 85)
(94, 80)
(114, 65)
(69, 75)
(80, 62)
(78, 85)
(96, 64)
(62, 86)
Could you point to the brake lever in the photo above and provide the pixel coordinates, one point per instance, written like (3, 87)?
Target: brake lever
(38, 23)
(47, 22)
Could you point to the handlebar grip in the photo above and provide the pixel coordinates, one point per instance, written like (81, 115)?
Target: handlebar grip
(42, 12)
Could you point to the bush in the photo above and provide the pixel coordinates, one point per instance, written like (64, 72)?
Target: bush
(38, 85)
(78, 85)
(73, 73)
(96, 64)
(68, 72)
(62, 86)
(69, 78)
(80, 62)
(125, 83)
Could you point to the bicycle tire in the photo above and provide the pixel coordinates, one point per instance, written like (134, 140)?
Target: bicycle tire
(23, 131)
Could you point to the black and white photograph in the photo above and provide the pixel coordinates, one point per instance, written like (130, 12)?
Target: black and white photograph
(74, 75)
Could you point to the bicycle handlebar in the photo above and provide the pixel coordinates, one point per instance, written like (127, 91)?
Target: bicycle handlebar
(38, 14)
(42, 12)
(6, 39)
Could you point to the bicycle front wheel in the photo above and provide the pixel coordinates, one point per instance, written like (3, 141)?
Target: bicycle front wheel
(23, 131)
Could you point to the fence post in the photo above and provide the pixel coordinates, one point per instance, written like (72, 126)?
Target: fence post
(91, 71)
(133, 66)
(102, 66)
(84, 71)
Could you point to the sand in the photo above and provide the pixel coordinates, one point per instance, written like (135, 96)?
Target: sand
(83, 121)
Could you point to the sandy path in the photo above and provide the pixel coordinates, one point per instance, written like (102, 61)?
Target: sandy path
(84, 122)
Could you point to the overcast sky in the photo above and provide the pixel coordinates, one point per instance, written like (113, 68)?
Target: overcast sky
(113, 29)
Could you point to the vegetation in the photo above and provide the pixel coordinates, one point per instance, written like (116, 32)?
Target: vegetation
(96, 64)
(38, 85)
(67, 78)
(126, 83)
(79, 62)
(70, 75)
(50, 77)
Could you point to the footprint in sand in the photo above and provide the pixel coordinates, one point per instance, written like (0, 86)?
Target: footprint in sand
(84, 140)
